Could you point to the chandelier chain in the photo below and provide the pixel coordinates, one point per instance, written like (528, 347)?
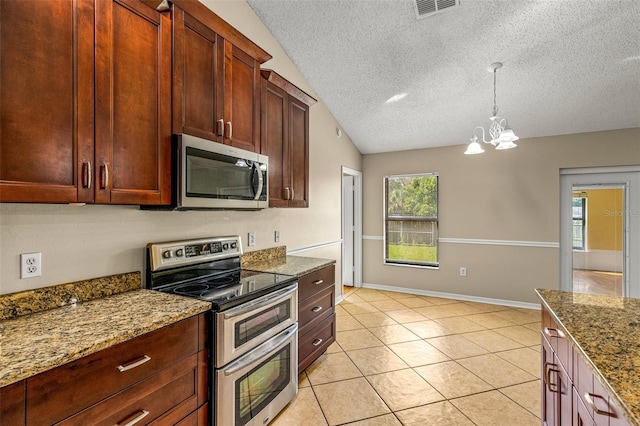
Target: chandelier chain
(495, 103)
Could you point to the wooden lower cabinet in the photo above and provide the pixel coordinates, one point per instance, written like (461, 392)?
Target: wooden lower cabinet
(571, 394)
(316, 315)
(12, 404)
(160, 377)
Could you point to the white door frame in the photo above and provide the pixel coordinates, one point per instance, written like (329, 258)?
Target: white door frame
(629, 177)
(357, 219)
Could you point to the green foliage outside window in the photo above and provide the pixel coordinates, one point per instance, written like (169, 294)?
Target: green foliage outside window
(411, 219)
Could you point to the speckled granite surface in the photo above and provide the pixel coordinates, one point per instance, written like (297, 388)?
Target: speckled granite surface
(606, 330)
(31, 301)
(264, 256)
(276, 260)
(35, 343)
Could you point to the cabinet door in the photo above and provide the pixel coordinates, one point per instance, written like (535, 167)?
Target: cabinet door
(12, 405)
(581, 416)
(133, 103)
(299, 153)
(274, 141)
(46, 101)
(564, 408)
(549, 390)
(197, 78)
(241, 99)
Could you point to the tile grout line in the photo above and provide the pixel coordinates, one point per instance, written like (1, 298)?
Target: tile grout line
(419, 338)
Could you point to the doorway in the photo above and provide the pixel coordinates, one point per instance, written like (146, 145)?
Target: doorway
(600, 231)
(351, 230)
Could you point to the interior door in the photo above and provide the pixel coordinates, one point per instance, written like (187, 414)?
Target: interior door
(600, 231)
(348, 227)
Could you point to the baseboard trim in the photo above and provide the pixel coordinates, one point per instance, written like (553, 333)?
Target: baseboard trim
(418, 292)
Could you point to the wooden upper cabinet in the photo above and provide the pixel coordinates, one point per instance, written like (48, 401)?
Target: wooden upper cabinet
(83, 122)
(285, 140)
(216, 78)
(46, 100)
(197, 88)
(133, 103)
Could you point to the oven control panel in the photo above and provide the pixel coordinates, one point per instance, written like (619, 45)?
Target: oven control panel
(178, 253)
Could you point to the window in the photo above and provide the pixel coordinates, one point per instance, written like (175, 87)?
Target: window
(411, 220)
(579, 209)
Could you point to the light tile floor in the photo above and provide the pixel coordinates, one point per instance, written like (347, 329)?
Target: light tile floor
(401, 359)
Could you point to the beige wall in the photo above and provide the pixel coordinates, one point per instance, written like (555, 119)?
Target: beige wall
(91, 241)
(499, 195)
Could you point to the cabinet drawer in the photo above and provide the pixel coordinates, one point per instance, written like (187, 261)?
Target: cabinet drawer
(312, 344)
(598, 404)
(312, 283)
(175, 386)
(315, 308)
(58, 393)
(559, 342)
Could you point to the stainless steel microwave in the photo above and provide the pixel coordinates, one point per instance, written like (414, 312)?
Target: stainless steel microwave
(210, 175)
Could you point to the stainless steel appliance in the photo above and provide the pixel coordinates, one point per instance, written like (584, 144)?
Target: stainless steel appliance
(254, 341)
(210, 175)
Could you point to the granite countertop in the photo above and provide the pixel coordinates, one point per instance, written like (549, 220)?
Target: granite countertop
(292, 265)
(606, 332)
(31, 344)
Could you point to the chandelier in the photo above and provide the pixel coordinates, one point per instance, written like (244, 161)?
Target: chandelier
(502, 137)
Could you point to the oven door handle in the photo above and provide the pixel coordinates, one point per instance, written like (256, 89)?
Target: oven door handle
(258, 303)
(261, 351)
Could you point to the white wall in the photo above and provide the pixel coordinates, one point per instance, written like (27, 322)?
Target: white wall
(92, 241)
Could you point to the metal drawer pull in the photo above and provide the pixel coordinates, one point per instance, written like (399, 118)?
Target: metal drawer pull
(588, 398)
(317, 342)
(317, 309)
(220, 127)
(230, 126)
(105, 176)
(142, 415)
(86, 175)
(123, 368)
(547, 376)
(318, 282)
(558, 333)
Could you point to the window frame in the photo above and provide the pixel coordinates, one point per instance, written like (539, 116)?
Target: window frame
(583, 219)
(386, 219)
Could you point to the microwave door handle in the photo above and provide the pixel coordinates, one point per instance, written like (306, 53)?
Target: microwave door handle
(258, 191)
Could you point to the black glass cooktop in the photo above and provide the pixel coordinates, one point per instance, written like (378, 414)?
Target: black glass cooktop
(223, 289)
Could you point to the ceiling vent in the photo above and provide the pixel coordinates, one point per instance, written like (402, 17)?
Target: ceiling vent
(426, 8)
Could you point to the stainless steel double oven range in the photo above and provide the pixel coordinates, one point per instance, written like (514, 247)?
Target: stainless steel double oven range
(254, 332)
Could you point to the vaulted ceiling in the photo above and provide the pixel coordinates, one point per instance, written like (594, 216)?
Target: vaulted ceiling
(570, 66)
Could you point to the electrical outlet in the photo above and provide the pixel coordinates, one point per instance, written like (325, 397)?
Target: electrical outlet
(30, 265)
(252, 239)
(276, 236)
(463, 272)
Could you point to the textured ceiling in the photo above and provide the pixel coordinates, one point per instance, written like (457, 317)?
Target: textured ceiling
(570, 66)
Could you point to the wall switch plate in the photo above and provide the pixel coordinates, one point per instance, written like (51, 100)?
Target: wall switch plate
(30, 265)
(276, 236)
(251, 241)
(463, 272)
